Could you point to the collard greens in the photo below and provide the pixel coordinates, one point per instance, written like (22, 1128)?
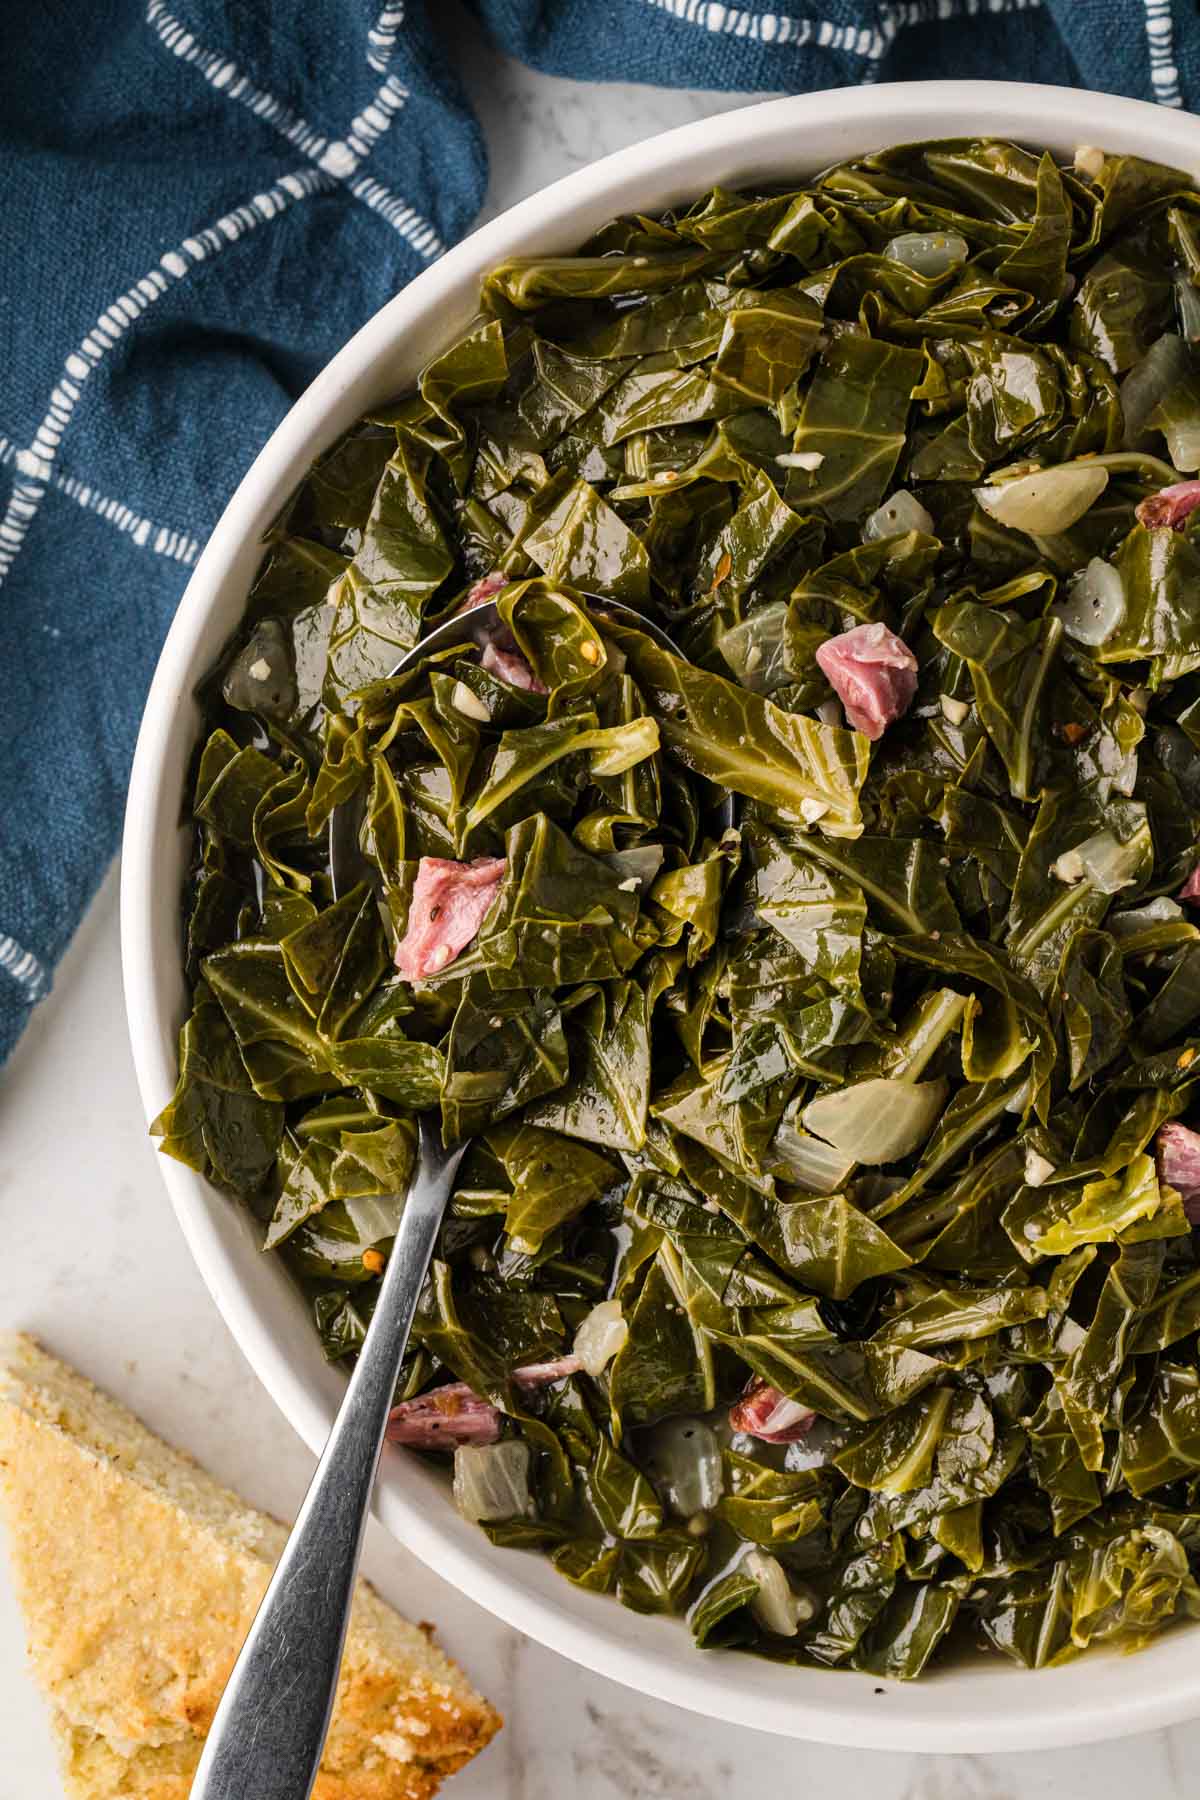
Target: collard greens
(859, 1099)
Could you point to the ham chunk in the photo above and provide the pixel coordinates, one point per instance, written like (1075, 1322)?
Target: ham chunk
(1191, 887)
(501, 657)
(449, 903)
(483, 590)
(444, 1419)
(763, 1412)
(1170, 506)
(454, 1415)
(1179, 1165)
(500, 654)
(873, 673)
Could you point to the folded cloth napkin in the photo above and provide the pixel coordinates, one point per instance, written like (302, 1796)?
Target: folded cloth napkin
(204, 198)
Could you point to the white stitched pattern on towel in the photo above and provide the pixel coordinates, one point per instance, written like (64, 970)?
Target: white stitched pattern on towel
(164, 542)
(419, 231)
(26, 969)
(227, 79)
(1160, 37)
(35, 463)
(866, 41)
(339, 157)
(773, 28)
(381, 39)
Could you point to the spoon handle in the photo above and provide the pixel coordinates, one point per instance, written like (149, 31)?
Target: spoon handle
(269, 1730)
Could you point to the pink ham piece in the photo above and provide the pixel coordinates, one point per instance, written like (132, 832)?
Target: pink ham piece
(763, 1412)
(483, 590)
(508, 663)
(873, 673)
(500, 654)
(1179, 1165)
(455, 1415)
(444, 1419)
(1191, 887)
(450, 901)
(1170, 506)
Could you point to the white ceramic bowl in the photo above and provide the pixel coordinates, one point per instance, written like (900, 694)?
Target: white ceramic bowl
(983, 1704)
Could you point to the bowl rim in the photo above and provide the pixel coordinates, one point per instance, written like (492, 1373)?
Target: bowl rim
(861, 118)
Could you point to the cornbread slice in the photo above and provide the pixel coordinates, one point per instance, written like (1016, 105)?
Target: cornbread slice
(138, 1577)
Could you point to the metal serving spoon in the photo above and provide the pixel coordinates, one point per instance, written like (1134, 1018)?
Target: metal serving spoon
(270, 1727)
(269, 1731)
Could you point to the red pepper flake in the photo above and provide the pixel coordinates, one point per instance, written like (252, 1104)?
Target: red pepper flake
(723, 568)
(373, 1262)
(1074, 734)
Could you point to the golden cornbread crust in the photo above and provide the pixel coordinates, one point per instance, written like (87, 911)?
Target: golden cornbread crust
(138, 1576)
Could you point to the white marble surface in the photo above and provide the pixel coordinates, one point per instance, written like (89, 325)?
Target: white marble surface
(94, 1263)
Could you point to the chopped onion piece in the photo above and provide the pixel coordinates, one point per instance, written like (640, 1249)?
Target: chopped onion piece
(1103, 861)
(801, 459)
(1069, 1336)
(683, 1458)
(600, 1335)
(902, 512)
(544, 1374)
(1038, 1168)
(928, 253)
(954, 711)
(1046, 502)
(1095, 605)
(491, 1481)
(877, 1121)
(1183, 442)
(1016, 1103)
(1110, 865)
(1068, 867)
(778, 1606)
(466, 701)
(1089, 162)
(1150, 380)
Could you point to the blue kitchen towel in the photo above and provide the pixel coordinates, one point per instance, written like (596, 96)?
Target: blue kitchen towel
(202, 199)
